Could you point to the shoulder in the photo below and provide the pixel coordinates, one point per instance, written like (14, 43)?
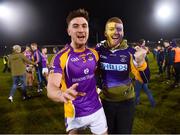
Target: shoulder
(92, 50)
(101, 44)
(95, 53)
(63, 52)
(22, 55)
(131, 50)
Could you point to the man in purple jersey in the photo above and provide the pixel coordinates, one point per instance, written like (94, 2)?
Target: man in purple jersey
(45, 64)
(72, 79)
(115, 64)
(38, 61)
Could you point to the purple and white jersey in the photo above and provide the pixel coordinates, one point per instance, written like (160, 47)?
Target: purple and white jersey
(44, 60)
(28, 54)
(78, 67)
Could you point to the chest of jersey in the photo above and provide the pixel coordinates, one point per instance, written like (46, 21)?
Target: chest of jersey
(80, 66)
(115, 60)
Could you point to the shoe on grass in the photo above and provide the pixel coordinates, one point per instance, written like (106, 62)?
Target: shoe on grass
(10, 98)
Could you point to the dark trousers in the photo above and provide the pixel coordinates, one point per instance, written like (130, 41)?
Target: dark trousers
(160, 67)
(177, 72)
(167, 69)
(120, 116)
(39, 77)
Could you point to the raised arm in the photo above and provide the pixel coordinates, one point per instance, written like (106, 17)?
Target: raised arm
(139, 66)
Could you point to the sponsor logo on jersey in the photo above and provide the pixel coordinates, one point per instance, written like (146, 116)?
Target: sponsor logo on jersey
(113, 54)
(103, 57)
(86, 71)
(75, 59)
(123, 58)
(90, 57)
(87, 77)
(114, 67)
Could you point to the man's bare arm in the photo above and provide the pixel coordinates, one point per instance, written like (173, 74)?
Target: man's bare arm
(55, 93)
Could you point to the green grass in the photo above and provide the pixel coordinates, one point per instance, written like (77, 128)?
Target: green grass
(41, 115)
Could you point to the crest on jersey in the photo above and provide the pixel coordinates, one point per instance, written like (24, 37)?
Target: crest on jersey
(86, 71)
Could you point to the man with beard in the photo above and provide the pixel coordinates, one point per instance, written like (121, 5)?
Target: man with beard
(72, 79)
(115, 64)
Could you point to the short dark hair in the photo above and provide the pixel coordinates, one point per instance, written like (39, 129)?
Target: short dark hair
(43, 47)
(141, 41)
(77, 13)
(34, 44)
(178, 43)
(167, 41)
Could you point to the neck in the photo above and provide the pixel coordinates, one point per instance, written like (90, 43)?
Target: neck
(122, 45)
(78, 47)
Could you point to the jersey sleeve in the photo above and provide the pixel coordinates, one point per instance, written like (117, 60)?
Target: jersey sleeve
(141, 73)
(58, 62)
(95, 54)
(55, 65)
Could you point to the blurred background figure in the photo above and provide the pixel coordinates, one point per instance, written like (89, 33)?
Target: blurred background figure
(168, 60)
(38, 60)
(29, 68)
(143, 84)
(45, 64)
(177, 64)
(5, 62)
(55, 50)
(160, 59)
(17, 63)
(142, 44)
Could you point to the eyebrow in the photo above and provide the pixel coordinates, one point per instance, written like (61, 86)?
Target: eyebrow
(79, 24)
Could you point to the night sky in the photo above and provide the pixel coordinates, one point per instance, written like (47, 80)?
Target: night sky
(47, 25)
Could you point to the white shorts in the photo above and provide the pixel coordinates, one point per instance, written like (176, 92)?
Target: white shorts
(45, 70)
(96, 122)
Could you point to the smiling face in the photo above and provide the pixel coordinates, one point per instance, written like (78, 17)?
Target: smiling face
(78, 30)
(114, 33)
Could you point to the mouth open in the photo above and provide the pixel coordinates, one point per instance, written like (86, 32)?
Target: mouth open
(81, 37)
(115, 37)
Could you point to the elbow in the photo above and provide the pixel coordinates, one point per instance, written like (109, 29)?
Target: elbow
(49, 95)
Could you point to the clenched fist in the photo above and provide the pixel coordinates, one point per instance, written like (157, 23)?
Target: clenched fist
(140, 55)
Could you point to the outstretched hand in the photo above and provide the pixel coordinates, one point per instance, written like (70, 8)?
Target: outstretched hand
(71, 93)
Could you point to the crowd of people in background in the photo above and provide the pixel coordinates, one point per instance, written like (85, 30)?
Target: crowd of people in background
(23, 64)
(167, 56)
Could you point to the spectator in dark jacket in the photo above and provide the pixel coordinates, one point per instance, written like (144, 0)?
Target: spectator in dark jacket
(160, 59)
